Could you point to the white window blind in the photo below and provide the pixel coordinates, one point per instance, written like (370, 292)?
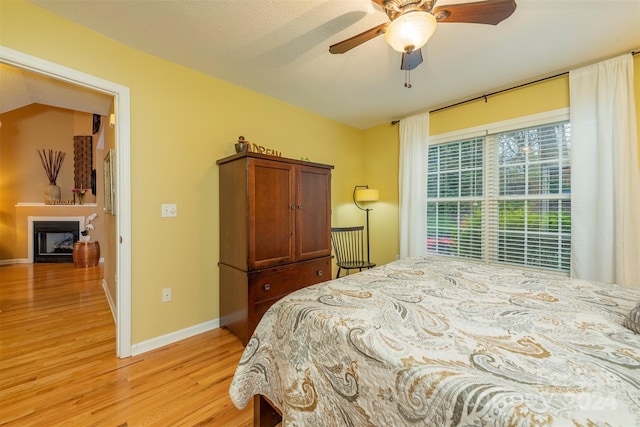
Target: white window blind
(517, 184)
(455, 197)
(530, 197)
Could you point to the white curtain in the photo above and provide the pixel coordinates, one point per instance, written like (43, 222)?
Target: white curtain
(605, 175)
(414, 132)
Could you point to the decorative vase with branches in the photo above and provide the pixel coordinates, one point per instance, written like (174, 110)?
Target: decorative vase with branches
(52, 163)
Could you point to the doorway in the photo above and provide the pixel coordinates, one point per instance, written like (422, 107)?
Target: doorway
(121, 98)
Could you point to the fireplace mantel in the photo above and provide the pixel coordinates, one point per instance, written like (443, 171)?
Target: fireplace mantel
(32, 219)
(36, 204)
(27, 209)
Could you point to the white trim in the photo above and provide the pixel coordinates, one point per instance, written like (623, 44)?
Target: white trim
(544, 118)
(172, 337)
(122, 107)
(112, 305)
(14, 261)
(457, 135)
(32, 219)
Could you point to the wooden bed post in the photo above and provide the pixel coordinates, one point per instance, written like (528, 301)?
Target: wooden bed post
(264, 414)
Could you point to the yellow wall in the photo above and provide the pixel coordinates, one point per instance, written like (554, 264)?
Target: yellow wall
(536, 98)
(23, 132)
(182, 121)
(381, 169)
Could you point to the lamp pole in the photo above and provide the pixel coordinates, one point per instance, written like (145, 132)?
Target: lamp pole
(370, 198)
(367, 210)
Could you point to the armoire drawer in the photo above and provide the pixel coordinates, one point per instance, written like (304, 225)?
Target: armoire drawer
(280, 281)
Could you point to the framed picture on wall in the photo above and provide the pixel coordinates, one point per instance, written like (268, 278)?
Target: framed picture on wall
(109, 184)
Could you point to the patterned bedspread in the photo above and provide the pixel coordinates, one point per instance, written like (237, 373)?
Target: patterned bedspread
(434, 342)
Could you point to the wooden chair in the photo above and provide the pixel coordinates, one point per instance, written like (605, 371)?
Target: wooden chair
(348, 245)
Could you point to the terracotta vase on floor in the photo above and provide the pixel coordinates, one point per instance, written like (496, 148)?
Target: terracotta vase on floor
(86, 254)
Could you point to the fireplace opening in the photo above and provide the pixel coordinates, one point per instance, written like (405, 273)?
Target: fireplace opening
(53, 240)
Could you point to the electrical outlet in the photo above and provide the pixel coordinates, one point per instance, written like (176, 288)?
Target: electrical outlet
(166, 295)
(169, 210)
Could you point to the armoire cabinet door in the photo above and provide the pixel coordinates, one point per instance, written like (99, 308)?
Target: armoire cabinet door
(313, 212)
(271, 213)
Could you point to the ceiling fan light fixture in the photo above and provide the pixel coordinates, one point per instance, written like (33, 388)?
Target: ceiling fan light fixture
(410, 31)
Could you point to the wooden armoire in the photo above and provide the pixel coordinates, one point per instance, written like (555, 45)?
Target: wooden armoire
(275, 233)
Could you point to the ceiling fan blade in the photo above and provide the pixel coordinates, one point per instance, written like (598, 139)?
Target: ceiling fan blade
(350, 43)
(411, 60)
(482, 12)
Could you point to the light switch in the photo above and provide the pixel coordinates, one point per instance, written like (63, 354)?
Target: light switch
(169, 210)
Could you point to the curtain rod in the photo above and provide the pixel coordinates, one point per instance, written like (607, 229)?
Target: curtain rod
(394, 122)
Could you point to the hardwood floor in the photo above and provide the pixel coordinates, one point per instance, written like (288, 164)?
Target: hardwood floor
(58, 363)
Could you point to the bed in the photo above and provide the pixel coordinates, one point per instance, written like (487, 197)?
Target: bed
(432, 341)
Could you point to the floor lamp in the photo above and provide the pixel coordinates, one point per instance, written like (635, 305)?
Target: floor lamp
(362, 193)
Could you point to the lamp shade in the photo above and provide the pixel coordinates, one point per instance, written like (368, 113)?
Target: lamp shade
(410, 31)
(366, 195)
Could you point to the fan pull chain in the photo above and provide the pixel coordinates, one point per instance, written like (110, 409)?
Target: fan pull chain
(407, 79)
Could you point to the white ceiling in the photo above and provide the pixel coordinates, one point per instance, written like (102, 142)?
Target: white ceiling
(20, 88)
(280, 48)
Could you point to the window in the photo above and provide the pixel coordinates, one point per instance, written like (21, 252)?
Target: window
(455, 196)
(503, 198)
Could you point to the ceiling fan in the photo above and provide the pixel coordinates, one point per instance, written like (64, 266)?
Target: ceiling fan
(412, 22)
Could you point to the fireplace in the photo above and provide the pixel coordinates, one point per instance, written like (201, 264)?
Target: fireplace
(52, 238)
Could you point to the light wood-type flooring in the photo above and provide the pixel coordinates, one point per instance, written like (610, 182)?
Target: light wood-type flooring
(58, 365)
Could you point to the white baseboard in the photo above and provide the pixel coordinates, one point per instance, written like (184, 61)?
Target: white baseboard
(161, 341)
(14, 261)
(112, 305)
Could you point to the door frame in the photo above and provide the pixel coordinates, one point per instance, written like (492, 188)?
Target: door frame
(122, 202)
